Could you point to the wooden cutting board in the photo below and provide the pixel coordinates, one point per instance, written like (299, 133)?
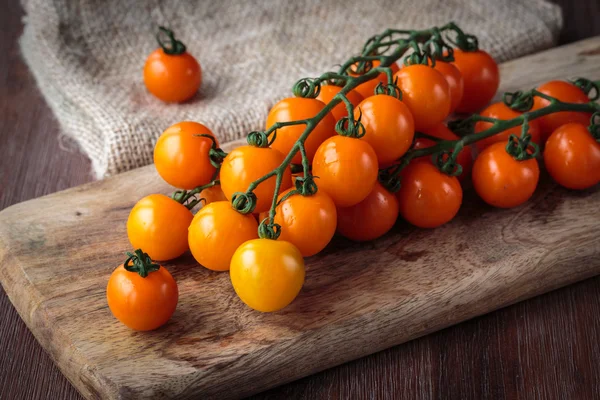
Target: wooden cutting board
(57, 252)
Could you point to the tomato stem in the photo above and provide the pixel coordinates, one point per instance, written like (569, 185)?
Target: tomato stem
(140, 263)
(166, 39)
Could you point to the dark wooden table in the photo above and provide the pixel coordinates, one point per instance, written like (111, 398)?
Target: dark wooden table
(544, 348)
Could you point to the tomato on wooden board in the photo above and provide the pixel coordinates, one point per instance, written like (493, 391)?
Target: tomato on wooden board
(502, 111)
(143, 298)
(455, 82)
(244, 165)
(367, 89)
(158, 225)
(347, 169)
(294, 109)
(441, 131)
(328, 92)
(502, 181)
(426, 94)
(389, 126)
(572, 157)
(216, 232)
(181, 158)
(371, 218)
(566, 92)
(427, 197)
(267, 274)
(481, 79)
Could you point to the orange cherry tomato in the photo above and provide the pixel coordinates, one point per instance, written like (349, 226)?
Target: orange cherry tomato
(347, 169)
(441, 131)
(428, 198)
(181, 158)
(481, 79)
(502, 181)
(572, 157)
(426, 94)
(158, 225)
(216, 232)
(142, 303)
(328, 92)
(212, 194)
(246, 164)
(298, 108)
(368, 88)
(455, 82)
(502, 111)
(389, 126)
(566, 92)
(267, 274)
(371, 218)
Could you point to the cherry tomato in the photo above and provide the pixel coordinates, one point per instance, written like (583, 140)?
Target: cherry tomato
(455, 82)
(347, 169)
(426, 94)
(142, 303)
(248, 163)
(502, 181)
(212, 194)
(217, 231)
(298, 108)
(389, 126)
(368, 88)
(371, 218)
(572, 157)
(428, 198)
(267, 274)
(441, 131)
(327, 94)
(181, 158)
(172, 78)
(481, 79)
(566, 92)
(503, 112)
(158, 225)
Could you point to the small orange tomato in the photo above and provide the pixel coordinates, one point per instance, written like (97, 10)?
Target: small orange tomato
(502, 181)
(371, 218)
(328, 92)
(566, 92)
(212, 194)
(503, 112)
(389, 126)
(455, 82)
(481, 79)
(572, 157)
(142, 297)
(267, 274)
(158, 225)
(426, 94)
(181, 158)
(298, 108)
(441, 131)
(246, 164)
(368, 88)
(347, 169)
(428, 198)
(217, 231)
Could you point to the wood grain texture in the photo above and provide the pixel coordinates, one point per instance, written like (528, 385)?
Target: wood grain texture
(545, 347)
(56, 254)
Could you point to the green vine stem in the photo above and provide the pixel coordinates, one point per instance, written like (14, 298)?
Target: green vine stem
(182, 196)
(166, 39)
(140, 263)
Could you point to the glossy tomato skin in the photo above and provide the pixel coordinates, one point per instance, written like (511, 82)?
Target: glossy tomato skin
(502, 181)
(158, 225)
(212, 194)
(347, 169)
(267, 274)
(572, 157)
(455, 81)
(181, 158)
(441, 131)
(371, 218)
(298, 108)
(172, 78)
(426, 94)
(481, 79)
(142, 304)
(428, 198)
(367, 89)
(566, 92)
(246, 164)
(389, 126)
(216, 232)
(502, 111)
(328, 92)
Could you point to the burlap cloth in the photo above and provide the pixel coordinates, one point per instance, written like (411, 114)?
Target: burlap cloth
(88, 55)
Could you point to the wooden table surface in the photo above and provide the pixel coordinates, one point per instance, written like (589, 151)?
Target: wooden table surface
(543, 348)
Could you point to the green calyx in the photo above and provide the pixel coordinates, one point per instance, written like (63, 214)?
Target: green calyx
(140, 263)
(594, 127)
(519, 100)
(166, 39)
